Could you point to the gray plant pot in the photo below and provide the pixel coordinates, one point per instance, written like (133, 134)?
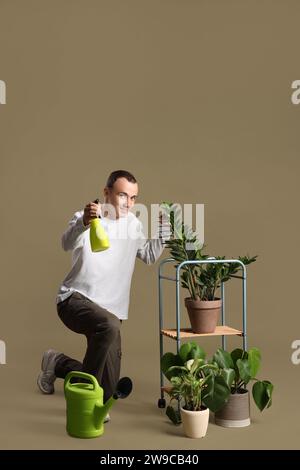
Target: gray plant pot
(236, 412)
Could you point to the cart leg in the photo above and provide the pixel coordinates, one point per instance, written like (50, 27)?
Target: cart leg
(161, 401)
(245, 345)
(223, 313)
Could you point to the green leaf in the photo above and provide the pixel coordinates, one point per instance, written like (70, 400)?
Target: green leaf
(244, 370)
(218, 393)
(262, 394)
(269, 389)
(181, 368)
(196, 364)
(254, 358)
(228, 376)
(223, 359)
(247, 260)
(173, 415)
(166, 205)
(168, 360)
(196, 352)
(184, 351)
(238, 354)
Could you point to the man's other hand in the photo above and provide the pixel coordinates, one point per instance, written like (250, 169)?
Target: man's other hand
(165, 231)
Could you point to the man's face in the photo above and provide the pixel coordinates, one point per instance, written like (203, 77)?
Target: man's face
(122, 196)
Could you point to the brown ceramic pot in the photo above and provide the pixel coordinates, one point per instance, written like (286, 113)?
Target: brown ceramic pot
(203, 314)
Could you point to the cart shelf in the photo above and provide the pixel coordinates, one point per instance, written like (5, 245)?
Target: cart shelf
(187, 332)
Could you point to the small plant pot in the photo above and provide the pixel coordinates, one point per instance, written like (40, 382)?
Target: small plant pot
(236, 412)
(203, 314)
(194, 422)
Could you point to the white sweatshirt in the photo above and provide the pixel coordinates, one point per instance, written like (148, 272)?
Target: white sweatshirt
(105, 277)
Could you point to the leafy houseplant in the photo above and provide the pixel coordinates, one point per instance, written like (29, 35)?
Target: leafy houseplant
(240, 368)
(201, 280)
(197, 385)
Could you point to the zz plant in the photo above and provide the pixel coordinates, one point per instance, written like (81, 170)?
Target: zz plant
(202, 281)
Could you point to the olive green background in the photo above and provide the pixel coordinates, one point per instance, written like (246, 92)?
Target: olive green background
(194, 98)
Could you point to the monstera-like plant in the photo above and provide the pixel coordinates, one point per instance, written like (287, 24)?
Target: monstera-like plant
(240, 368)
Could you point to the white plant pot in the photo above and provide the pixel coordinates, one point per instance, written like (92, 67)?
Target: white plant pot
(194, 422)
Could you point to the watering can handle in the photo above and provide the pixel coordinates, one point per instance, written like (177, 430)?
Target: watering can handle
(81, 375)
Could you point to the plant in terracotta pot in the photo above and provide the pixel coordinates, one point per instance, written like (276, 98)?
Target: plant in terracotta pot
(197, 385)
(240, 368)
(203, 280)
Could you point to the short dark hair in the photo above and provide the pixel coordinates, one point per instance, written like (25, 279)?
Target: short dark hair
(119, 174)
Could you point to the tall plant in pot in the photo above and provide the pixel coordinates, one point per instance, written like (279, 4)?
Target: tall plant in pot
(203, 280)
(241, 368)
(197, 385)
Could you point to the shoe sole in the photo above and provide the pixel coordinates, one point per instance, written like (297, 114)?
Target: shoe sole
(39, 383)
(46, 358)
(44, 364)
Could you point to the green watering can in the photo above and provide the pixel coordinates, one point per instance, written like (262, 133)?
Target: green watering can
(85, 408)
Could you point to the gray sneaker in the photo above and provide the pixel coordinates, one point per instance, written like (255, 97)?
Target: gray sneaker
(47, 375)
(106, 419)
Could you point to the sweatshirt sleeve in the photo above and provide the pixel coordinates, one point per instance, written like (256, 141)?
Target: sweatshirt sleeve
(151, 249)
(72, 237)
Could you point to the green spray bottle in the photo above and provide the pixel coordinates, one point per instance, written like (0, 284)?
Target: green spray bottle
(98, 237)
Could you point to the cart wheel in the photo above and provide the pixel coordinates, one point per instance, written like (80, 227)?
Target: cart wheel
(161, 403)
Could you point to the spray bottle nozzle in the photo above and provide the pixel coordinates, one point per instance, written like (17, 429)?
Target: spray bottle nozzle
(96, 201)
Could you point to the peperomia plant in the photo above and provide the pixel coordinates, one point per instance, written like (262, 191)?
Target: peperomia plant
(239, 368)
(195, 382)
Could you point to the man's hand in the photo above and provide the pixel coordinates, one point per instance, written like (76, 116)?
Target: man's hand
(91, 211)
(165, 232)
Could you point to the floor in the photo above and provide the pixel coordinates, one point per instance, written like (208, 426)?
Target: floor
(30, 420)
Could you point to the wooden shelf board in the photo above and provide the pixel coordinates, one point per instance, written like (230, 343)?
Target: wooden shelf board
(187, 332)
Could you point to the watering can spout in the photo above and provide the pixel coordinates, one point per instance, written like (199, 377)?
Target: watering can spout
(124, 388)
(101, 411)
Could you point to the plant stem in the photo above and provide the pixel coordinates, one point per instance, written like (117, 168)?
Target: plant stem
(238, 385)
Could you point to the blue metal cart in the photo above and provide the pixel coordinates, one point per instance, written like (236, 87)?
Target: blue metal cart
(183, 333)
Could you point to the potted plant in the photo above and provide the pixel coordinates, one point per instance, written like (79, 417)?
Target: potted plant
(197, 385)
(202, 280)
(240, 368)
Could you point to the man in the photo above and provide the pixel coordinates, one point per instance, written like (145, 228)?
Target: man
(94, 297)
